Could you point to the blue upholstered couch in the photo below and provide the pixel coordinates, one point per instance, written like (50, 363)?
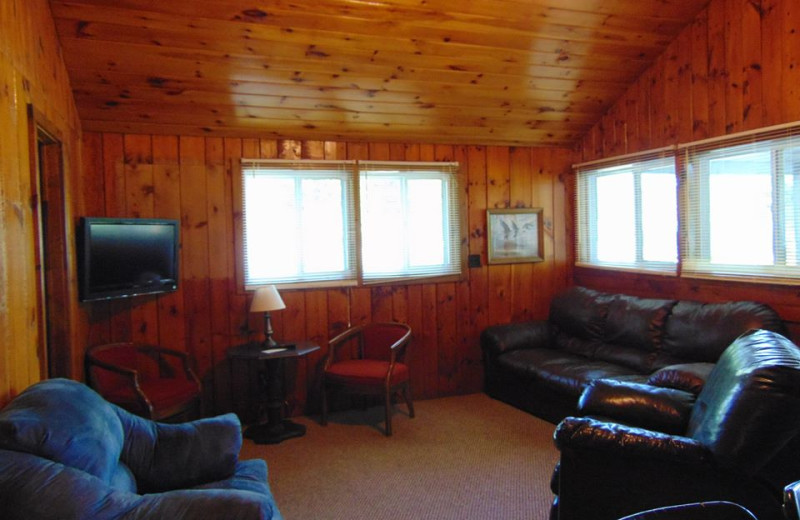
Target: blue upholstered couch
(66, 453)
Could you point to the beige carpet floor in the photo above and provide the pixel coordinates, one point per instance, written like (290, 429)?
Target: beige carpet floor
(461, 458)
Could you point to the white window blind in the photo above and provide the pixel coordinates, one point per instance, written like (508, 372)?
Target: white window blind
(627, 214)
(299, 222)
(410, 224)
(742, 206)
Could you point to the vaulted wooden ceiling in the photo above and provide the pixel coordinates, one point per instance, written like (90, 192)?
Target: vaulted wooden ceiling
(515, 72)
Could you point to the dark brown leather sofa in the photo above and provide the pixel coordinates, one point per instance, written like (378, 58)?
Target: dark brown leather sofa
(739, 442)
(544, 366)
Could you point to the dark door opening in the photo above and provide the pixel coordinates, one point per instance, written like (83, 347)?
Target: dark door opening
(49, 209)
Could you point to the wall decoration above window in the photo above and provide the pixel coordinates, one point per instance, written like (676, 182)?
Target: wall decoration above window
(514, 235)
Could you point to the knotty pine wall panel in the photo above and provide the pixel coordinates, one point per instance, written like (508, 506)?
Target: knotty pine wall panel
(736, 68)
(32, 74)
(196, 180)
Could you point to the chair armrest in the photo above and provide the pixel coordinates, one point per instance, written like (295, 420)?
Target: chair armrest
(171, 456)
(690, 377)
(131, 376)
(338, 341)
(35, 487)
(513, 336)
(128, 372)
(791, 501)
(661, 409)
(184, 358)
(718, 510)
(586, 433)
(211, 504)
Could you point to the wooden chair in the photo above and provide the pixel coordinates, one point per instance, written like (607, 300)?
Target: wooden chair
(150, 381)
(375, 368)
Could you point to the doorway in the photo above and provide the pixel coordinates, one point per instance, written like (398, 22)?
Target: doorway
(52, 267)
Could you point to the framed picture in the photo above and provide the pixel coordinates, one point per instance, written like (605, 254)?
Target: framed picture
(514, 235)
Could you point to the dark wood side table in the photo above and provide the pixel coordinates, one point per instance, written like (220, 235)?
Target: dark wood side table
(276, 429)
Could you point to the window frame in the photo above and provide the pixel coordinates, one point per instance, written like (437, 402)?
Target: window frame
(695, 179)
(239, 224)
(783, 137)
(586, 211)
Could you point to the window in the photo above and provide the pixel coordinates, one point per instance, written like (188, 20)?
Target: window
(742, 206)
(410, 225)
(627, 212)
(298, 222)
(343, 223)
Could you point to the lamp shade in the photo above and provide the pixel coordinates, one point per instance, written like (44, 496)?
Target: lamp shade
(267, 299)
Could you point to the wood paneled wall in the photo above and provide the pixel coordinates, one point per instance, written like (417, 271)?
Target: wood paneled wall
(194, 179)
(32, 73)
(737, 67)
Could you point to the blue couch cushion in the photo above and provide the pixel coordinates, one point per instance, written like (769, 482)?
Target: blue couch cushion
(66, 422)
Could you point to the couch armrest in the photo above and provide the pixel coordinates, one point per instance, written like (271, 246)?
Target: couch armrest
(211, 504)
(661, 409)
(164, 456)
(791, 501)
(35, 487)
(690, 377)
(585, 433)
(503, 338)
(715, 510)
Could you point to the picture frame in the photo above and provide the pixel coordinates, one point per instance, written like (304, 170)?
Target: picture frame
(514, 235)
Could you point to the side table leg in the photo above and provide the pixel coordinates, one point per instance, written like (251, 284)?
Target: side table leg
(276, 429)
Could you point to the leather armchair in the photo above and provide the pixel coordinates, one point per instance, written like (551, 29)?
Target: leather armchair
(739, 444)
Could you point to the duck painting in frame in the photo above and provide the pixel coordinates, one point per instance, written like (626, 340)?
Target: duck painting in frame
(514, 235)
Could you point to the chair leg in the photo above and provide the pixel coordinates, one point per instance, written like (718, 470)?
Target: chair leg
(388, 404)
(324, 420)
(407, 398)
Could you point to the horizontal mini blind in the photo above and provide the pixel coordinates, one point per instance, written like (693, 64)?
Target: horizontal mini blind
(410, 224)
(626, 212)
(741, 206)
(299, 222)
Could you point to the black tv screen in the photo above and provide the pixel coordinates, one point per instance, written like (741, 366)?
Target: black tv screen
(123, 257)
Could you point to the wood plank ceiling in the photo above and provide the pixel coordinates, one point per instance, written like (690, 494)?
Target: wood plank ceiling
(512, 72)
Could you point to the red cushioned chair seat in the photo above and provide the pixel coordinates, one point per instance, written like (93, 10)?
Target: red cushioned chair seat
(366, 372)
(162, 393)
(375, 347)
(167, 386)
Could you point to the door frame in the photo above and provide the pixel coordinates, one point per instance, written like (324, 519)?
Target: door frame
(51, 232)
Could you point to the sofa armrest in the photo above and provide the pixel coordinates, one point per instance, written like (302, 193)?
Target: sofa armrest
(586, 433)
(35, 487)
(715, 510)
(164, 456)
(689, 377)
(211, 504)
(498, 339)
(661, 409)
(791, 501)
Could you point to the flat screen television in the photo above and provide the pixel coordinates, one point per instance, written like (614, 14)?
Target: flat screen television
(124, 257)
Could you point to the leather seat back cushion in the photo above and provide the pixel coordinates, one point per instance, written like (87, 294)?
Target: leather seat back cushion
(633, 331)
(702, 331)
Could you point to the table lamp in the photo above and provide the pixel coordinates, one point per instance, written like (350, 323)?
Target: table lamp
(267, 299)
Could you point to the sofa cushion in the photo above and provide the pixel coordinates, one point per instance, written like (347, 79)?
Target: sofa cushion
(562, 371)
(702, 331)
(633, 330)
(580, 312)
(66, 422)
